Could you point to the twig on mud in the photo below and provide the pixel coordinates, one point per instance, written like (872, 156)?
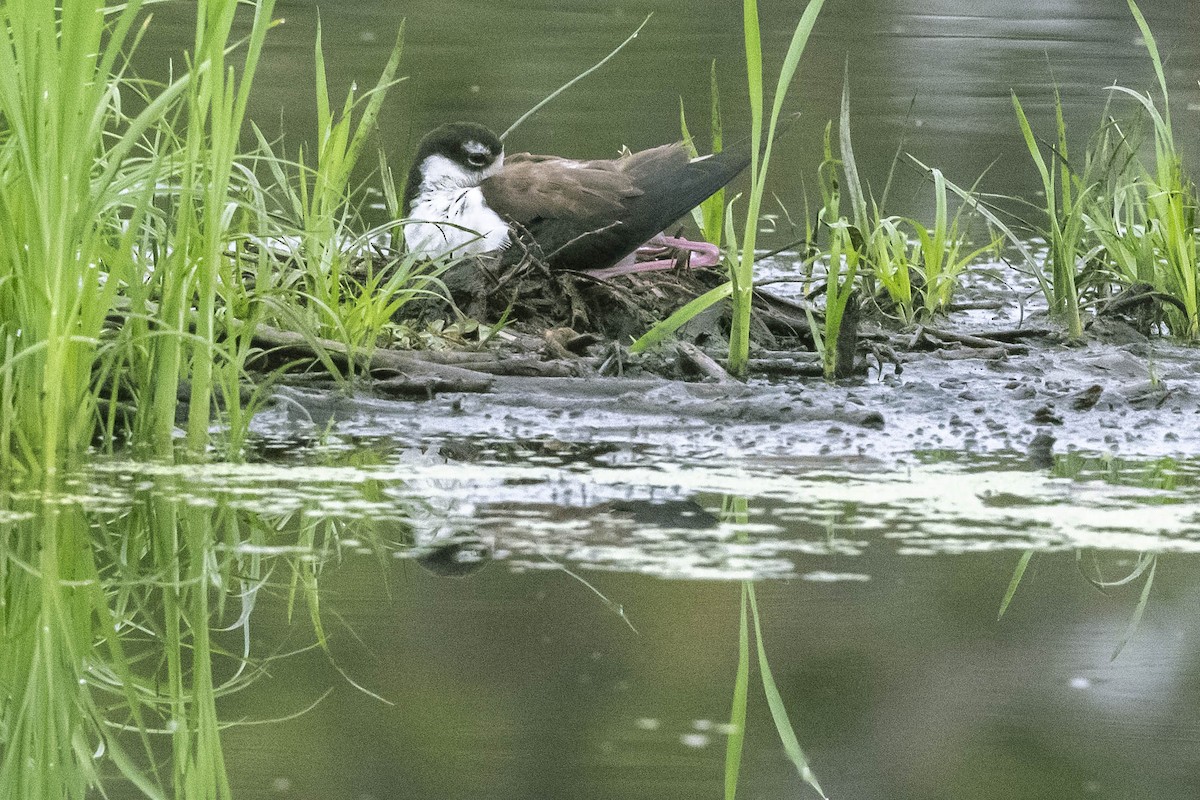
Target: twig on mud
(703, 362)
(971, 340)
(429, 376)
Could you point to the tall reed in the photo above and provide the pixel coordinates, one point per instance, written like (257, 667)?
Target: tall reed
(63, 145)
(741, 273)
(740, 287)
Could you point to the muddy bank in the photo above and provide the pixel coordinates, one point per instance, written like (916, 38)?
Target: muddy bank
(1096, 397)
(1117, 392)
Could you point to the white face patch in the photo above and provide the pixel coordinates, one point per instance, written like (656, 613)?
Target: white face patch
(449, 216)
(476, 148)
(439, 172)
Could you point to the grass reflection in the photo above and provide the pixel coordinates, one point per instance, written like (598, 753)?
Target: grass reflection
(114, 632)
(736, 511)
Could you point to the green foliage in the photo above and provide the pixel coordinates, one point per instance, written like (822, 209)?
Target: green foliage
(159, 221)
(710, 216)
(741, 258)
(64, 141)
(742, 268)
(1127, 221)
(1063, 229)
(918, 267)
(1145, 223)
(335, 298)
(735, 510)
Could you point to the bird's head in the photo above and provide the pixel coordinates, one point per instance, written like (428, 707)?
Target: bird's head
(455, 155)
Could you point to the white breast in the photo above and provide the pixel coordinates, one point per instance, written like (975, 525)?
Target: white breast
(449, 216)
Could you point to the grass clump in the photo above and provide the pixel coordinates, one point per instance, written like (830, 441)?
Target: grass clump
(1145, 223)
(141, 253)
(64, 146)
(1114, 218)
(917, 267)
(347, 287)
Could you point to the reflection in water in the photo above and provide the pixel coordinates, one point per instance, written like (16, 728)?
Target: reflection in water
(126, 617)
(150, 617)
(146, 621)
(736, 511)
(108, 653)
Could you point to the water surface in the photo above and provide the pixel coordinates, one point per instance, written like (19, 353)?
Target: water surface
(933, 75)
(535, 610)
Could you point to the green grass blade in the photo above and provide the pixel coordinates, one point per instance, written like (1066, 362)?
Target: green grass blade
(1152, 46)
(858, 201)
(574, 80)
(662, 330)
(787, 735)
(1018, 573)
(742, 273)
(735, 744)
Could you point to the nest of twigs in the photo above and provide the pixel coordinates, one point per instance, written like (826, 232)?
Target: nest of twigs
(532, 298)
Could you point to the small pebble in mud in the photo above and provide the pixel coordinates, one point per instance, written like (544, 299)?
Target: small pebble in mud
(1046, 414)
(1041, 451)
(873, 420)
(1024, 392)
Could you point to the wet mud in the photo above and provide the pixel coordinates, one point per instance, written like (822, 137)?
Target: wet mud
(1118, 392)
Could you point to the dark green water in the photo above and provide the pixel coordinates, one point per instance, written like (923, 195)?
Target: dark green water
(953, 62)
(592, 651)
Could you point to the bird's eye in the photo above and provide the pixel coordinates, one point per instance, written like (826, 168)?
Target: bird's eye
(477, 159)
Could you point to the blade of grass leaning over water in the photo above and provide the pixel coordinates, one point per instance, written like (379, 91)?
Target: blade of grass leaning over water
(787, 734)
(735, 744)
(574, 80)
(1018, 573)
(659, 333)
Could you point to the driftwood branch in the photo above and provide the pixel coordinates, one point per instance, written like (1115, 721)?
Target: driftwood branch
(416, 375)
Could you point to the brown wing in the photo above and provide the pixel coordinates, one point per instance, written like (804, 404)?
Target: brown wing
(543, 187)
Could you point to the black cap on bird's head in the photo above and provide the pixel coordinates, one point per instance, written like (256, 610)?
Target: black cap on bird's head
(465, 152)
